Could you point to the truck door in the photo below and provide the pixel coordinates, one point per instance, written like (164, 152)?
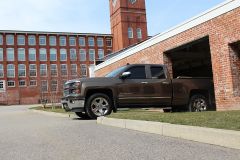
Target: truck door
(130, 89)
(157, 88)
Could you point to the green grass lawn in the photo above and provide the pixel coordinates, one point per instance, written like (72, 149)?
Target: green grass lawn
(222, 120)
(50, 109)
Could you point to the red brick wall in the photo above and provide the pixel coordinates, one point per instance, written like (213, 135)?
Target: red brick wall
(222, 31)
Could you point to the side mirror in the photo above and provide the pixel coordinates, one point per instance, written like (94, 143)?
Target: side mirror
(124, 75)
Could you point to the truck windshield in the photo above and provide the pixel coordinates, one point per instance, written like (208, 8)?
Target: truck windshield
(116, 72)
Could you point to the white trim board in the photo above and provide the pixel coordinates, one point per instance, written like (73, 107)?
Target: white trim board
(212, 13)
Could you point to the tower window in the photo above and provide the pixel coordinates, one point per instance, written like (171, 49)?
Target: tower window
(139, 33)
(130, 32)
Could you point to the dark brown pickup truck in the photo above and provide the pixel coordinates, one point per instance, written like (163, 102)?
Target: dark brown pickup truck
(138, 85)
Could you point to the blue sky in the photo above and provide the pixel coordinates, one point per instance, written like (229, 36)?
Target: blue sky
(85, 16)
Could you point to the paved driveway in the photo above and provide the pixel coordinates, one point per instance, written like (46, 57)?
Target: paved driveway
(25, 135)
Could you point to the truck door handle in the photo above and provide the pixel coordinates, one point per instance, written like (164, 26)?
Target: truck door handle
(165, 83)
(144, 82)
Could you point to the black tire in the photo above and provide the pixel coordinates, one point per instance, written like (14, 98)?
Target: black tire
(198, 103)
(94, 107)
(82, 115)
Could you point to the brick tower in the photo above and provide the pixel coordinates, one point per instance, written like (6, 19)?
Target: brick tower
(128, 22)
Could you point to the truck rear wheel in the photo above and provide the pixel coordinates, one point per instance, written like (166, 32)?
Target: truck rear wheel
(97, 105)
(198, 103)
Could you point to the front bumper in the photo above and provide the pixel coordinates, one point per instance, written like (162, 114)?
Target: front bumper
(73, 105)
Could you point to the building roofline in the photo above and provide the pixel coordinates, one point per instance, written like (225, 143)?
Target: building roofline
(214, 12)
(56, 33)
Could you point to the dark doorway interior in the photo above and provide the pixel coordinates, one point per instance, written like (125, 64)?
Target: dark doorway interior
(192, 59)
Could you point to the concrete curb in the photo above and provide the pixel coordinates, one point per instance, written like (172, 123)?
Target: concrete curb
(52, 113)
(220, 137)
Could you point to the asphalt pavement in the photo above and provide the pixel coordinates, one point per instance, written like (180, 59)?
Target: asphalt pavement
(25, 135)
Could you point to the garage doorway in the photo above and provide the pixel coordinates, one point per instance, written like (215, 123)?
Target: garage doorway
(192, 59)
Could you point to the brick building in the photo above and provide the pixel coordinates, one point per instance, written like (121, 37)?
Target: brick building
(206, 45)
(34, 65)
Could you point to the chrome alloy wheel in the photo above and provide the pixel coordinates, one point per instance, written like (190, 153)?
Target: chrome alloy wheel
(199, 105)
(100, 106)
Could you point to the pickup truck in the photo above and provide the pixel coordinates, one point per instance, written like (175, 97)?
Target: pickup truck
(147, 85)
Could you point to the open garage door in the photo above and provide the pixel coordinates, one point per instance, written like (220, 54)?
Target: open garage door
(192, 59)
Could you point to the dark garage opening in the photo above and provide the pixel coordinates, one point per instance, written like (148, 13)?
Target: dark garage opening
(192, 59)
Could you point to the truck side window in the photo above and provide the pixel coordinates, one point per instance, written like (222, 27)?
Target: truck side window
(158, 72)
(137, 72)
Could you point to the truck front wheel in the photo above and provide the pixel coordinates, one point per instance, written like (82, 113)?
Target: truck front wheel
(198, 103)
(97, 105)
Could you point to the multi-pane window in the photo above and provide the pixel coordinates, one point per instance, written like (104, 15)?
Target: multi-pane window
(43, 70)
(91, 54)
(91, 41)
(54, 85)
(73, 69)
(10, 54)
(10, 71)
(21, 54)
(21, 40)
(139, 33)
(10, 39)
(32, 40)
(130, 32)
(52, 41)
(82, 41)
(100, 42)
(63, 69)
(109, 42)
(42, 40)
(73, 55)
(2, 86)
(1, 54)
(21, 70)
(83, 70)
(11, 83)
(82, 53)
(44, 86)
(1, 39)
(32, 70)
(1, 71)
(33, 83)
(72, 41)
(63, 54)
(43, 54)
(62, 41)
(22, 83)
(32, 54)
(53, 54)
(53, 70)
(100, 54)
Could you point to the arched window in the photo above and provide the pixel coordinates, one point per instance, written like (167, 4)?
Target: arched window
(130, 32)
(139, 33)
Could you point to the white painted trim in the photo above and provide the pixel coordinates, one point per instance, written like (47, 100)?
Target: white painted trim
(216, 11)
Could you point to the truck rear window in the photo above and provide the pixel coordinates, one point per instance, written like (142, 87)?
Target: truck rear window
(158, 72)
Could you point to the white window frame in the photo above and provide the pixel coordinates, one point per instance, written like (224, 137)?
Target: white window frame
(91, 42)
(42, 39)
(46, 82)
(62, 41)
(73, 54)
(3, 88)
(53, 70)
(1, 54)
(65, 70)
(107, 42)
(100, 42)
(72, 41)
(32, 54)
(12, 53)
(130, 32)
(1, 39)
(21, 69)
(21, 54)
(31, 82)
(101, 56)
(91, 53)
(10, 39)
(80, 40)
(81, 53)
(73, 69)
(52, 40)
(1, 70)
(31, 40)
(32, 70)
(139, 33)
(41, 53)
(21, 38)
(63, 52)
(20, 85)
(11, 81)
(11, 70)
(53, 51)
(85, 71)
(55, 85)
(43, 70)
